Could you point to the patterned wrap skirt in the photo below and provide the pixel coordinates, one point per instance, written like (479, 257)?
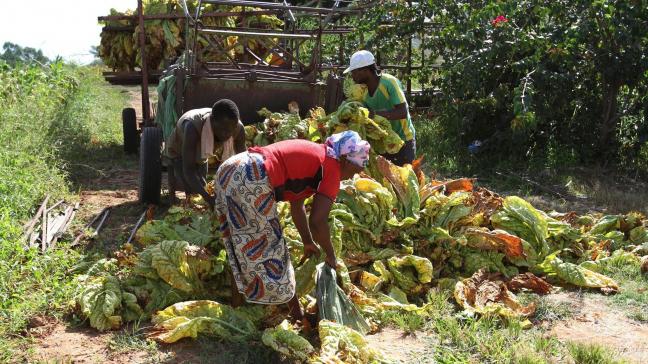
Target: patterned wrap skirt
(251, 231)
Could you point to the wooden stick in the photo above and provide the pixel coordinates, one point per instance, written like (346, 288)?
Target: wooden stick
(77, 239)
(32, 239)
(67, 218)
(70, 218)
(103, 214)
(44, 228)
(54, 227)
(55, 206)
(103, 219)
(100, 214)
(137, 225)
(29, 227)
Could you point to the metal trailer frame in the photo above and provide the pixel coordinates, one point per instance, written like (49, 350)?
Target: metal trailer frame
(251, 84)
(204, 82)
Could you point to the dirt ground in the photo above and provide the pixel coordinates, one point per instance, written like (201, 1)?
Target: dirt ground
(86, 345)
(595, 322)
(81, 346)
(400, 347)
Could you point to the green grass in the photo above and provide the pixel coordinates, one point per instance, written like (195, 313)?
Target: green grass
(51, 120)
(633, 294)
(442, 154)
(591, 354)
(465, 339)
(408, 322)
(546, 309)
(132, 339)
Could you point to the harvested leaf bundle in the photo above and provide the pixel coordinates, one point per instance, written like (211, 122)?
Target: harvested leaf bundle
(280, 126)
(103, 302)
(404, 182)
(487, 293)
(409, 273)
(117, 48)
(179, 264)
(354, 116)
(102, 299)
(188, 319)
(341, 344)
(165, 38)
(354, 91)
(180, 224)
(370, 202)
(284, 339)
(577, 275)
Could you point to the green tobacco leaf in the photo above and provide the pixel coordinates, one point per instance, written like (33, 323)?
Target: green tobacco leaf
(339, 341)
(100, 301)
(518, 217)
(606, 224)
(188, 319)
(405, 184)
(576, 275)
(181, 265)
(410, 271)
(284, 339)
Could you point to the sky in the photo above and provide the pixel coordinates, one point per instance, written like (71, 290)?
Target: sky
(58, 27)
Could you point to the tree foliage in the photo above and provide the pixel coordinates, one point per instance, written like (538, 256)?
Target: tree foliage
(15, 54)
(531, 77)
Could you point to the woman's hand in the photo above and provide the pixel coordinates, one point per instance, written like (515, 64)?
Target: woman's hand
(310, 249)
(331, 261)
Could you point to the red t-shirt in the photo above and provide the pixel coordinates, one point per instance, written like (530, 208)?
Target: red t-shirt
(299, 168)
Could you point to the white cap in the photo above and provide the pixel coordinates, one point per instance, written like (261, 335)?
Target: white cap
(360, 59)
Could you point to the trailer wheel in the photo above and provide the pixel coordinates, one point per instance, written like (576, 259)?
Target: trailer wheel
(150, 173)
(129, 127)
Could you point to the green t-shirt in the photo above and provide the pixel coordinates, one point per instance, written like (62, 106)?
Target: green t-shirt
(389, 94)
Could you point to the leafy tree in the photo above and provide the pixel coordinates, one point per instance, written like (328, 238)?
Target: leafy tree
(14, 54)
(532, 76)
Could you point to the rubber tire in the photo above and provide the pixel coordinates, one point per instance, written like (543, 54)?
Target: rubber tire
(150, 173)
(129, 128)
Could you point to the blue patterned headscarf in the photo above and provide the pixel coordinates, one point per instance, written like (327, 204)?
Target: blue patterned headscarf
(349, 144)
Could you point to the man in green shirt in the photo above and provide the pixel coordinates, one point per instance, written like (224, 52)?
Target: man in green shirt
(385, 97)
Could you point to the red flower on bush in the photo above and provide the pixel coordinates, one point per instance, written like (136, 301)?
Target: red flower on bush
(499, 21)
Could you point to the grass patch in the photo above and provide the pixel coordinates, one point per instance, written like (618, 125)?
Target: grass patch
(442, 154)
(90, 133)
(409, 322)
(632, 297)
(51, 119)
(465, 339)
(591, 354)
(548, 310)
(132, 339)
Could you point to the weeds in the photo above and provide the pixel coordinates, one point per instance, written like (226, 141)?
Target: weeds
(409, 322)
(42, 108)
(590, 354)
(633, 295)
(132, 339)
(547, 310)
